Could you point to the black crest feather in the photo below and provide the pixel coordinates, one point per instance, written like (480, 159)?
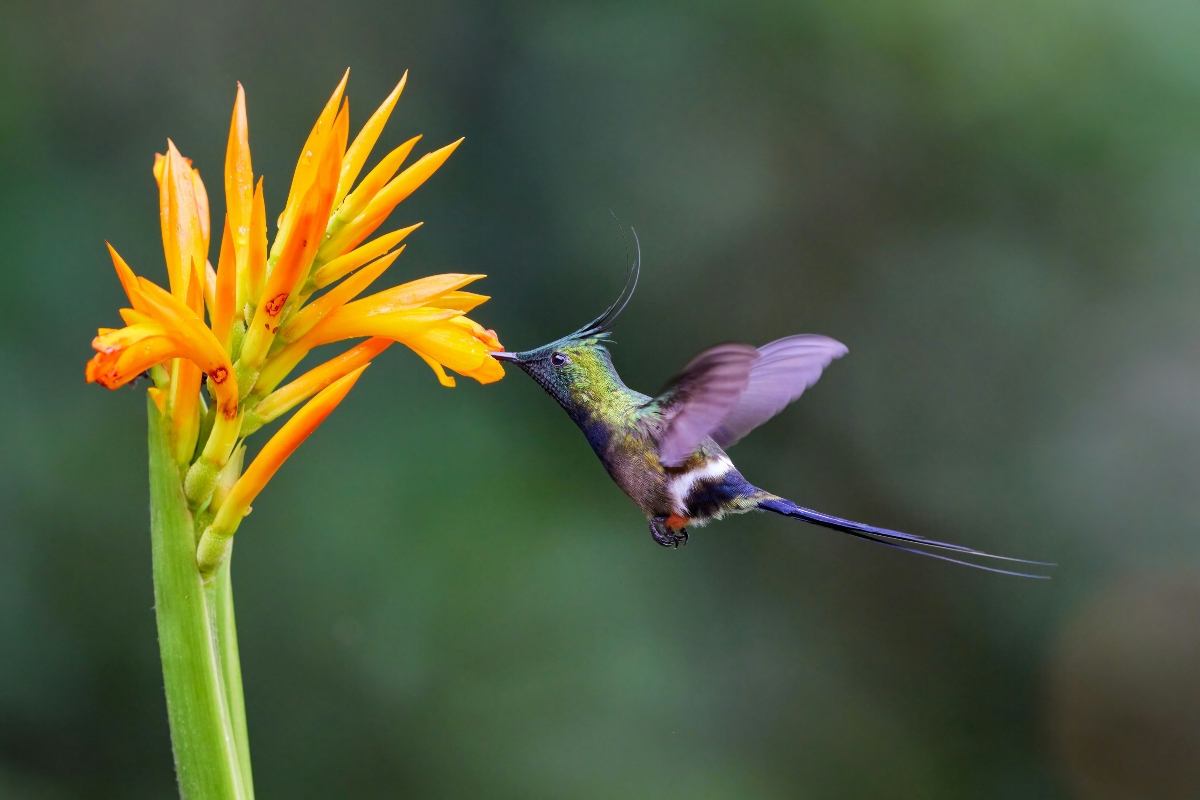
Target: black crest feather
(602, 325)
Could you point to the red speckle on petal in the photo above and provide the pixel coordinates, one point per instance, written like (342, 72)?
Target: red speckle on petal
(275, 304)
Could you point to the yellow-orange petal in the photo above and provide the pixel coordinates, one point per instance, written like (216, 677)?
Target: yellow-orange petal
(184, 404)
(450, 345)
(110, 340)
(132, 317)
(287, 397)
(344, 265)
(279, 366)
(376, 179)
(210, 287)
(182, 231)
(112, 369)
(384, 202)
(158, 396)
(485, 335)
(310, 154)
(463, 301)
(489, 371)
(281, 282)
(277, 449)
(225, 288)
(356, 322)
(357, 154)
(409, 181)
(347, 290)
(125, 275)
(201, 195)
(438, 370)
(253, 275)
(300, 241)
(239, 179)
(414, 293)
(197, 342)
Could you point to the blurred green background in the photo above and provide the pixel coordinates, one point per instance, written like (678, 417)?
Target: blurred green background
(994, 203)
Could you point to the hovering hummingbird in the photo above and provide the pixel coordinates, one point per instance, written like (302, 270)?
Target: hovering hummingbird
(668, 452)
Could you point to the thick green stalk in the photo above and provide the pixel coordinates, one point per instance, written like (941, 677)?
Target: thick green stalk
(206, 761)
(231, 670)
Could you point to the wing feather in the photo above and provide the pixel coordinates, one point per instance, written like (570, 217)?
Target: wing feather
(699, 397)
(784, 369)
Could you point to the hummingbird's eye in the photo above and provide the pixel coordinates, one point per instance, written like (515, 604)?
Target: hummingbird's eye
(558, 359)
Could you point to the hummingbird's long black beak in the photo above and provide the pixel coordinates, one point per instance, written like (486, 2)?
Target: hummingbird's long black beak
(512, 358)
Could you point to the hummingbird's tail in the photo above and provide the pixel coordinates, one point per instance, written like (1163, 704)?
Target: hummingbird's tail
(891, 538)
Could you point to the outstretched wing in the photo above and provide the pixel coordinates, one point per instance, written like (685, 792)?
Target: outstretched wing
(699, 397)
(784, 369)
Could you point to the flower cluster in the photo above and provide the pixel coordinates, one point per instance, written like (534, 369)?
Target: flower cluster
(268, 307)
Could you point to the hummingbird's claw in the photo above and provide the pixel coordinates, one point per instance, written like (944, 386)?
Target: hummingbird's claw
(665, 536)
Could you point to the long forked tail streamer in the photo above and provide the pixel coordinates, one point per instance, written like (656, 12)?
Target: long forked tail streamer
(891, 538)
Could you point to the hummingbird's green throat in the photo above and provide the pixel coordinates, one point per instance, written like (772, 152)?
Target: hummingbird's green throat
(667, 452)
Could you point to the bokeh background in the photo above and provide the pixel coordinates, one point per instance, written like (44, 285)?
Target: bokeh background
(994, 203)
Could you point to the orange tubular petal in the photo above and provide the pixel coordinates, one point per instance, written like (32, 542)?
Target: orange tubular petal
(201, 208)
(158, 396)
(131, 317)
(110, 340)
(488, 337)
(280, 284)
(279, 366)
(451, 345)
(410, 180)
(414, 293)
(239, 180)
(384, 202)
(443, 378)
(185, 408)
(489, 372)
(308, 165)
(356, 156)
(254, 275)
(311, 382)
(463, 301)
(302, 239)
(350, 288)
(276, 451)
(210, 287)
(197, 343)
(128, 280)
(349, 322)
(182, 229)
(344, 265)
(221, 312)
(376, 179)
(112, 369)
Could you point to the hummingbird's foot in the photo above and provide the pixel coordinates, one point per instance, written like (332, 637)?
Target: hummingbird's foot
(666, 536)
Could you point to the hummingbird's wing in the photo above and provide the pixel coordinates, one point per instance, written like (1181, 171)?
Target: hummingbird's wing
(784, 369)
(698, 398)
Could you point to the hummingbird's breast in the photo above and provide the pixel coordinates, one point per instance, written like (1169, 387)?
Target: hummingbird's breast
(707, 486)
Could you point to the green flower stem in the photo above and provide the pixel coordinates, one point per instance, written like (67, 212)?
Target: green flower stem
(231, 669)
(206, 756)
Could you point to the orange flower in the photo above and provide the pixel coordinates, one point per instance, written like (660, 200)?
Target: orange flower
(259, 294)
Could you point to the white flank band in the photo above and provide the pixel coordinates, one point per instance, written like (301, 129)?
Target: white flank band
(681, 486)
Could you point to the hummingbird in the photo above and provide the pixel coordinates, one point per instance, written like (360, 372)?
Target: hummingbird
(667, 452)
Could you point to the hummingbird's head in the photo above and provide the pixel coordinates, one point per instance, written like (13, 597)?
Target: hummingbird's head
(570, 368)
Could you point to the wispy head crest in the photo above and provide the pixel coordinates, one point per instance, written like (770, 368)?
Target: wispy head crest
(601, 326)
